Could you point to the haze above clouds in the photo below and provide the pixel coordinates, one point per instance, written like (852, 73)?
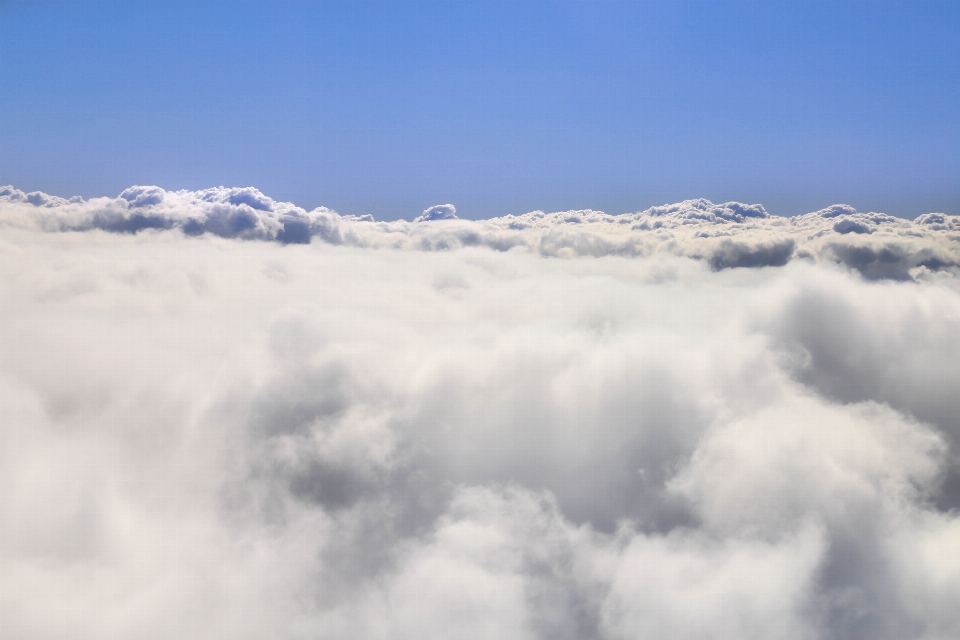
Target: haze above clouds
(224, 415)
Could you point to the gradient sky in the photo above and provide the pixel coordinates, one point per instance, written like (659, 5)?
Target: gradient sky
(388, 108)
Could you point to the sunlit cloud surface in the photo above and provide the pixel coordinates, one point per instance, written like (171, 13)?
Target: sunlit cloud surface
(226, 416)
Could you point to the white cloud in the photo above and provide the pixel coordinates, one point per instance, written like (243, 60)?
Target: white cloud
(437, 212)
(728, 235)
(366, 437)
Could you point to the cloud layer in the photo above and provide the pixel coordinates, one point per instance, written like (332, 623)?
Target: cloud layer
(727, 235)
(705, 421)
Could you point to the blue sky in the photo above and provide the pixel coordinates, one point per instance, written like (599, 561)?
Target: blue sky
(388, 108)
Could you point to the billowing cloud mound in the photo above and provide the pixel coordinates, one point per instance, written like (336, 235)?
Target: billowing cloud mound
(230, 213)
(725, 235)
(369, 437)
(438, 212)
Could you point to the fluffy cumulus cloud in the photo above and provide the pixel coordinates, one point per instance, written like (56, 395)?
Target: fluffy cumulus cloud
(225, 416)
(438, 212)
(725, 236)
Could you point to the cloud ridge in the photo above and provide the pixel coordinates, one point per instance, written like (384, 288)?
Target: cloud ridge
(728, 235)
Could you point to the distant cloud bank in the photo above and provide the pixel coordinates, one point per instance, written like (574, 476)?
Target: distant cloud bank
(725, 235)
(223, 416)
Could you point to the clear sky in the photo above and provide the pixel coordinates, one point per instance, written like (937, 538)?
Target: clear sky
(387, 108)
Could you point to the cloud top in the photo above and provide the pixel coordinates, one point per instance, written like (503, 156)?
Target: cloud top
(680, 423)
(728, 235)
(437, 212)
